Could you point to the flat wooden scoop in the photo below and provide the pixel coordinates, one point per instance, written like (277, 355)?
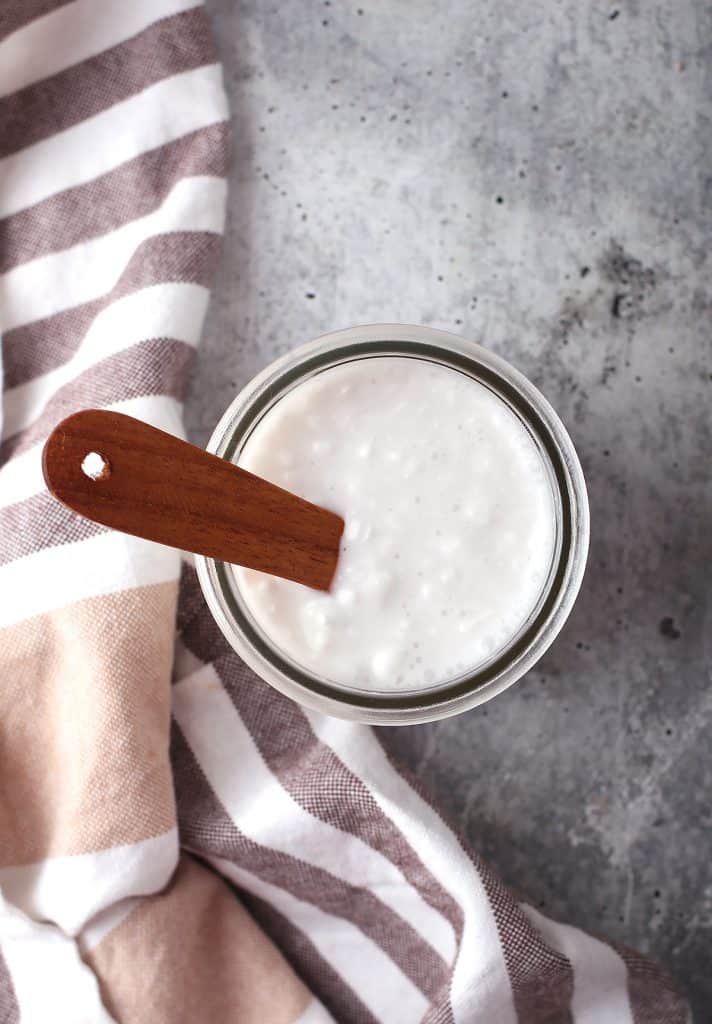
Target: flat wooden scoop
(122, 473)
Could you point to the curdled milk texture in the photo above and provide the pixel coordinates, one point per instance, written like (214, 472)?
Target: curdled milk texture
(450, 523)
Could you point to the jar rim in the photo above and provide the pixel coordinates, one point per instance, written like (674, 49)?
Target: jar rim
(526, 647)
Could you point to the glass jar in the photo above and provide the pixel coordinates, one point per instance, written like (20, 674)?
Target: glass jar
(470, 688)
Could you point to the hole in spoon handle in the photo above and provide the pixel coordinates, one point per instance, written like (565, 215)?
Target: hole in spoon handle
(125, 474)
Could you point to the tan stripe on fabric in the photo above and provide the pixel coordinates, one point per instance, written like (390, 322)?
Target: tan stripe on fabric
(14, 16)
(41, 346)
(84, 720)
(159, 366)
(168, 47)
(206, 828)
(193, 954)
(131, 191)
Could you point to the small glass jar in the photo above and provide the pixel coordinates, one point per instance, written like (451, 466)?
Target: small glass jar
(470, 688)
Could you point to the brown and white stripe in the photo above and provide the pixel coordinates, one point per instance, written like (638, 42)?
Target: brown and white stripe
(364, 906)
(113, 154)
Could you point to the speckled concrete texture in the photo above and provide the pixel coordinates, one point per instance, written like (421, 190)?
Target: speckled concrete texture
(537, 177)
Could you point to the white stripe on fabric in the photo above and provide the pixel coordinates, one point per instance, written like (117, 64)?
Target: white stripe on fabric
(59, 576)
(315, 1014)
(480, 988)
(105, 922)
(61, 280)
(73, 33)
(174, 310)
(185, 662)
(161, 113)
(50, 980)
(375, 979)
(600, 976)
(219, 740)
(21, 476)
(70, 890)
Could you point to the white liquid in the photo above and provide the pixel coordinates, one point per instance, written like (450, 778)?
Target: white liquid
(450, 523)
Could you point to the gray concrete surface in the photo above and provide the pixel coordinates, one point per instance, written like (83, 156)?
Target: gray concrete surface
(537, 177)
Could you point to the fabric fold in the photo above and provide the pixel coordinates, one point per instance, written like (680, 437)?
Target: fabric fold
(179, 842)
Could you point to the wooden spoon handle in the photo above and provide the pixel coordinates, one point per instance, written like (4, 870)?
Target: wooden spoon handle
(151, 484)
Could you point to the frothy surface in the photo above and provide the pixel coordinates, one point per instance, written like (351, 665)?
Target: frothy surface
(450, 523)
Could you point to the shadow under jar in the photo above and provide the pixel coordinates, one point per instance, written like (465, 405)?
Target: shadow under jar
(451, 692)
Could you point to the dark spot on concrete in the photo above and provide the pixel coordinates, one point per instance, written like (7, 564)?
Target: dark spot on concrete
(458, 321)
(499, 199)
(606, 451)
(522, 174)
(632, 281)
(668, 732)
(359, 10)
(325, 22)
(667, 628)
(585, 271)
(619, 590)
(535, 108)
(610, 369)
(613, 15)
(440, 277)
(505, 94)
(569, 318)
(657, 894)
(311, 295)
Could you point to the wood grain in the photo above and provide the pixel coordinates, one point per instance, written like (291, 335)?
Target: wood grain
(161, 488)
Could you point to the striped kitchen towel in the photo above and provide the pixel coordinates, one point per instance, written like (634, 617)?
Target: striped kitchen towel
(206, 852)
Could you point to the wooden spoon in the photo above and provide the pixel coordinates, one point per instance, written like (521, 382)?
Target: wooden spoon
(122, 473)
